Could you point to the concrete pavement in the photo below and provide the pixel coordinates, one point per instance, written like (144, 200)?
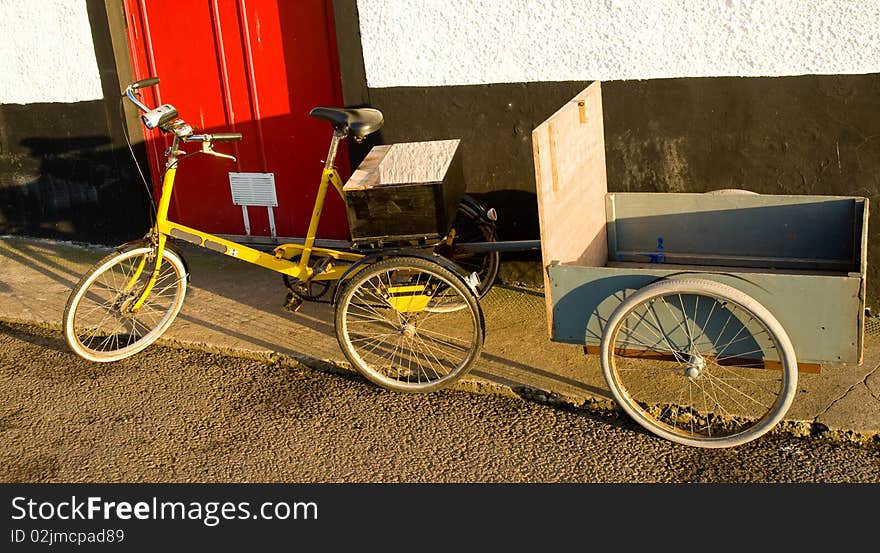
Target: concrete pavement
(236, 308)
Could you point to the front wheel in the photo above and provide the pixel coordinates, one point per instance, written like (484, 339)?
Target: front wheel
(699, 363)
(394, 325)
(101, 322)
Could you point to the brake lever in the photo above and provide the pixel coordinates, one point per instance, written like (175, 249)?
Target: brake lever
(208, 148)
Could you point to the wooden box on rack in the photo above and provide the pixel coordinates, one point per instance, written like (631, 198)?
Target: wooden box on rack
(405, 191)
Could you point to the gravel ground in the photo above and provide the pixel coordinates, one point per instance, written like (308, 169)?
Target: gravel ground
(170, 415)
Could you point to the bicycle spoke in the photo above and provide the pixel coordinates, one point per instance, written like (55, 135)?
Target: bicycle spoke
(461, 342)
(430, 350)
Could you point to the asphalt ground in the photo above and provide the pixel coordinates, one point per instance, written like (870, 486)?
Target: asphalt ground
(173, 415)
(236, 308)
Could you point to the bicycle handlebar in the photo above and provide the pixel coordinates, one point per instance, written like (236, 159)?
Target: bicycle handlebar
(129, 92)
(215, 137)
(165, 117)
(144, 83)
(226, 136)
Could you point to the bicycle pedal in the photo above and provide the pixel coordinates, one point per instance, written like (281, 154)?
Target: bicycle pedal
(293, 302)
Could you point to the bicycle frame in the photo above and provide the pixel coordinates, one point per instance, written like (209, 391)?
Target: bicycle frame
(130, 298)
(279, 260)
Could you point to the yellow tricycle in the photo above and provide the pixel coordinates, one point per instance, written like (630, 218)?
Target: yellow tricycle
(407, 314)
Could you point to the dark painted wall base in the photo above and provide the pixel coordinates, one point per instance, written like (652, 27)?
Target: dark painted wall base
(786, 135)
(495, 123)
(61, 177)
(65, 169)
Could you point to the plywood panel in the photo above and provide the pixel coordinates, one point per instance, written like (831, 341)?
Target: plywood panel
(404, 163)
(569, 154)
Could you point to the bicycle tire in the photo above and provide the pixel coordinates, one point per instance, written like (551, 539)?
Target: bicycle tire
(138, 330)
(471, 226)
(742, 398)
(402, 347)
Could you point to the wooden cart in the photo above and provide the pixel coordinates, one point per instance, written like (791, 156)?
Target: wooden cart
(702, 307)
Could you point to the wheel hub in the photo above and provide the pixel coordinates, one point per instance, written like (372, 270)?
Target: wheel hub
(124, 306)
(409, 329)
(695, 365)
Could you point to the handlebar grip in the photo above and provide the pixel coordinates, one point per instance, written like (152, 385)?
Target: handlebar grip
(143, 83)
(226, 136)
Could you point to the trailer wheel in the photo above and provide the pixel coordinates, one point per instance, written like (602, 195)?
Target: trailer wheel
(699, 363)
(732, 192)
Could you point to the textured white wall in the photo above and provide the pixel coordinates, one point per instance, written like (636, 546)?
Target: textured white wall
(457, 42)
(46, 52)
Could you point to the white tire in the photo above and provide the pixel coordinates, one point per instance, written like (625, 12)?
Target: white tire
(699, 363)
(98, 322)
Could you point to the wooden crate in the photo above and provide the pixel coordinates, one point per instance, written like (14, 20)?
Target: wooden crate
(803, 257)
(405, 191)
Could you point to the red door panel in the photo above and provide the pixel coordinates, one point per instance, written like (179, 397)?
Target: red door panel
(251, 66)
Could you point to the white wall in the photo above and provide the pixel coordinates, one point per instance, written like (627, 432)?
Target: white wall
(458, 42)
(46, 52)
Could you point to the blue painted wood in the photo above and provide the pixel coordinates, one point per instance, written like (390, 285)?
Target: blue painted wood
(803, 232)
(822, 314)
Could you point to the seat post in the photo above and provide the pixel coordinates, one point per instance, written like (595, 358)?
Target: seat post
(318, 208)
(338, 135)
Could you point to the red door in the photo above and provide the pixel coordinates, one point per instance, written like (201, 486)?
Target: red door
(255, 67)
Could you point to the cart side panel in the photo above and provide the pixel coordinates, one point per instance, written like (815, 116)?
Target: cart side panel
(781, 231)
(820, 313)
(569, 156)
(861, 230)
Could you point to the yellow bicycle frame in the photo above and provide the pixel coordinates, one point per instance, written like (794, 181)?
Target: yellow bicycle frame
(279, 260)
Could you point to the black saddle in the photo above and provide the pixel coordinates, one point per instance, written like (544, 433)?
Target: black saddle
(355, 122)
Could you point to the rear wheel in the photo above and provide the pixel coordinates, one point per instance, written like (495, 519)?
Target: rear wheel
(100, 321)
(393, 325)
(699, 363)
(472, 226)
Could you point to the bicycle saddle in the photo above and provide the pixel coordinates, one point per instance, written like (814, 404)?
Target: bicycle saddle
(356, 122)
